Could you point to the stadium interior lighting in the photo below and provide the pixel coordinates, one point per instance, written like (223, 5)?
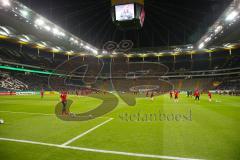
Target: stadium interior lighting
(41, 45)
(228, 46)
(5, 3)
(48, 28)
(104, 52)
(159, 54)
(232, 16)
(24, 39)
(69, 52)
(87, 47)
(129, 55)
(201, 46)
(218, 29)
(24, 13)
(143, 55)
(39, 22)
(3, 33)
(207, 39)
(5, 30)
(76, 41)
(55, 50)
(55, 31)
(94, 51)
(190, 47)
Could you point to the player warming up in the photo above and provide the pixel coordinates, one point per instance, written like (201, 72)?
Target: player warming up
(209, 96)
(176, 96)
(63, 98)
(42, 93)
(197, 95)
(171, 94)
(152, 96)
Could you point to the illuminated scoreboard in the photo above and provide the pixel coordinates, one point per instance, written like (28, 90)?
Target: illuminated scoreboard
(128, 14)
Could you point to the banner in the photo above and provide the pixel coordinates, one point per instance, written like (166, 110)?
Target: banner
(117, 2)
(51, 93)
(26, 93)
(7, 93)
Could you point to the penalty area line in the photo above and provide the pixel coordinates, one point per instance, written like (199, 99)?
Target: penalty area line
(98, 150)
(86, 132)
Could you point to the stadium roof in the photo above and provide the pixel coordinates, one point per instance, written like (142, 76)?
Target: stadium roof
(178, 27)
(20, 23)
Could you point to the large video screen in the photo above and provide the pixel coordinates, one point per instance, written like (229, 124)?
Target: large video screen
(124, 12)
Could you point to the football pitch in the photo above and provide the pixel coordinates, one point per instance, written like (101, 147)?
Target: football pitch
(159, 129)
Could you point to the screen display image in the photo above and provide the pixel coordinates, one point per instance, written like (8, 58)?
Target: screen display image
(124, 12)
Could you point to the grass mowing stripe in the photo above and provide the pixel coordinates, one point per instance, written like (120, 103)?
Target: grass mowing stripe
(84, 133)
(98, 150)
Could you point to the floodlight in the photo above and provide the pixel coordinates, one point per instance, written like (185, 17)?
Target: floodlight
(104, 52)
(23, 40)
(48, 28)
(39, 22)
(55, 50)
(232, 16)
(218, 29)
(201, 46)
(76, 41)
(69, 52)
(24, 13)
(6, 3)
(3, 33)
(55, 31)
(87, 47)
(95, 51)
(61, 34)
(190, 47)
(207, 39)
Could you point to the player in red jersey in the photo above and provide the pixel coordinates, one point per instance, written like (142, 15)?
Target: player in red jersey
(197, 95)
(42, 93)
(209, 96)
(176, 95)
(63, 98)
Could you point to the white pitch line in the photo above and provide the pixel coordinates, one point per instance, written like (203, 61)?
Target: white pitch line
(86, 132)
(43, 114)
(99, 150)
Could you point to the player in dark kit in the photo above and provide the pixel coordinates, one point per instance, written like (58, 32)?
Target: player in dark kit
(152, 96)
(171, 94)
(77, 93)
(63, 97)
(147, 94)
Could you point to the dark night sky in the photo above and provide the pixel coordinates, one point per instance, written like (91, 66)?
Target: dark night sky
(184, 20)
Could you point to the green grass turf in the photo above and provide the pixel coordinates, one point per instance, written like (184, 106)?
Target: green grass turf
(213, 133)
